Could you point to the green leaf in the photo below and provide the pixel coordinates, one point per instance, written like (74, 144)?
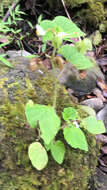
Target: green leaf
(75, 137)
(93, 125)
(47, 25)
(84, 45)
(30, 113)
(62, 24)
(48, 146)
(31, 56)
(70, 113)
(76, 58)
(49, 124)
(2, 45)
(48, 36)
(3, 60)
(58, 151)
(38, 155)
(48, 120)
(30, 24)
(90, 111)
(40, 18)
(68, 26)
(43, 48)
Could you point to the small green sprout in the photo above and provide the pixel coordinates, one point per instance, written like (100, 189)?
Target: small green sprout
(58, 31)
(50, 125)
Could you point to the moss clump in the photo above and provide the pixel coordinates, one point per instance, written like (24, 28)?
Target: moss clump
(96, 13)
(74, 3)
(16, 169)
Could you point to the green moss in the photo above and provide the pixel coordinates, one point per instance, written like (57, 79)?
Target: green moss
(74, 3)
(96, 13)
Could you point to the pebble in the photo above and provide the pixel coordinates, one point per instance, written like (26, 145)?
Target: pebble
(95, 103)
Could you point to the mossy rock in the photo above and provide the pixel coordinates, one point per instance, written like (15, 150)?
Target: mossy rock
(17, 85)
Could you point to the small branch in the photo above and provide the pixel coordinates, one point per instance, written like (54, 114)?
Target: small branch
(10, 9)
(66, 9)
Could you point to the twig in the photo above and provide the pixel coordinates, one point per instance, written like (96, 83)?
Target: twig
(66, 9)
(10, 9)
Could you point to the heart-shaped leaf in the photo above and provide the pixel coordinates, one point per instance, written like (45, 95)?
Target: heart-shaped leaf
(48, 120)
(75, 137)
(70, 113)
(75, 58)
(93, 125)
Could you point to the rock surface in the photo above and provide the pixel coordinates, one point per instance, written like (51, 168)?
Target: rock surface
(95, 103)
(71, 79)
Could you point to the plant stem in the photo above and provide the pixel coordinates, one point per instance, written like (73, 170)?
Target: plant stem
(54, 78)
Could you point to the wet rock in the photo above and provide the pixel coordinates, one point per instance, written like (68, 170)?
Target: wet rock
(70, 77)
(95, 103)
(99, 94)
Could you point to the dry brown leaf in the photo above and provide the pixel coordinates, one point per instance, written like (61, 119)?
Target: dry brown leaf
(47, 63)
(103, 86)
(35, 63)
(99, 94)
(82, 74)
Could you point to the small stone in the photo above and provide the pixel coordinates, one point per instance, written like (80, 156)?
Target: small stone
(95, 103)
(71, 78)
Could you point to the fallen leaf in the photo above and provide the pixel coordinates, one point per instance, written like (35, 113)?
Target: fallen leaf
(82, 74)
(35, 63)
(47, 63)
(102, 86)
(99, 94)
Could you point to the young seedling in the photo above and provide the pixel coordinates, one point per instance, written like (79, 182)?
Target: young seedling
(50, 125)
(57, 31)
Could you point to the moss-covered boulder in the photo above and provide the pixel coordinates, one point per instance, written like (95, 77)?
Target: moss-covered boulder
(17, 85)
